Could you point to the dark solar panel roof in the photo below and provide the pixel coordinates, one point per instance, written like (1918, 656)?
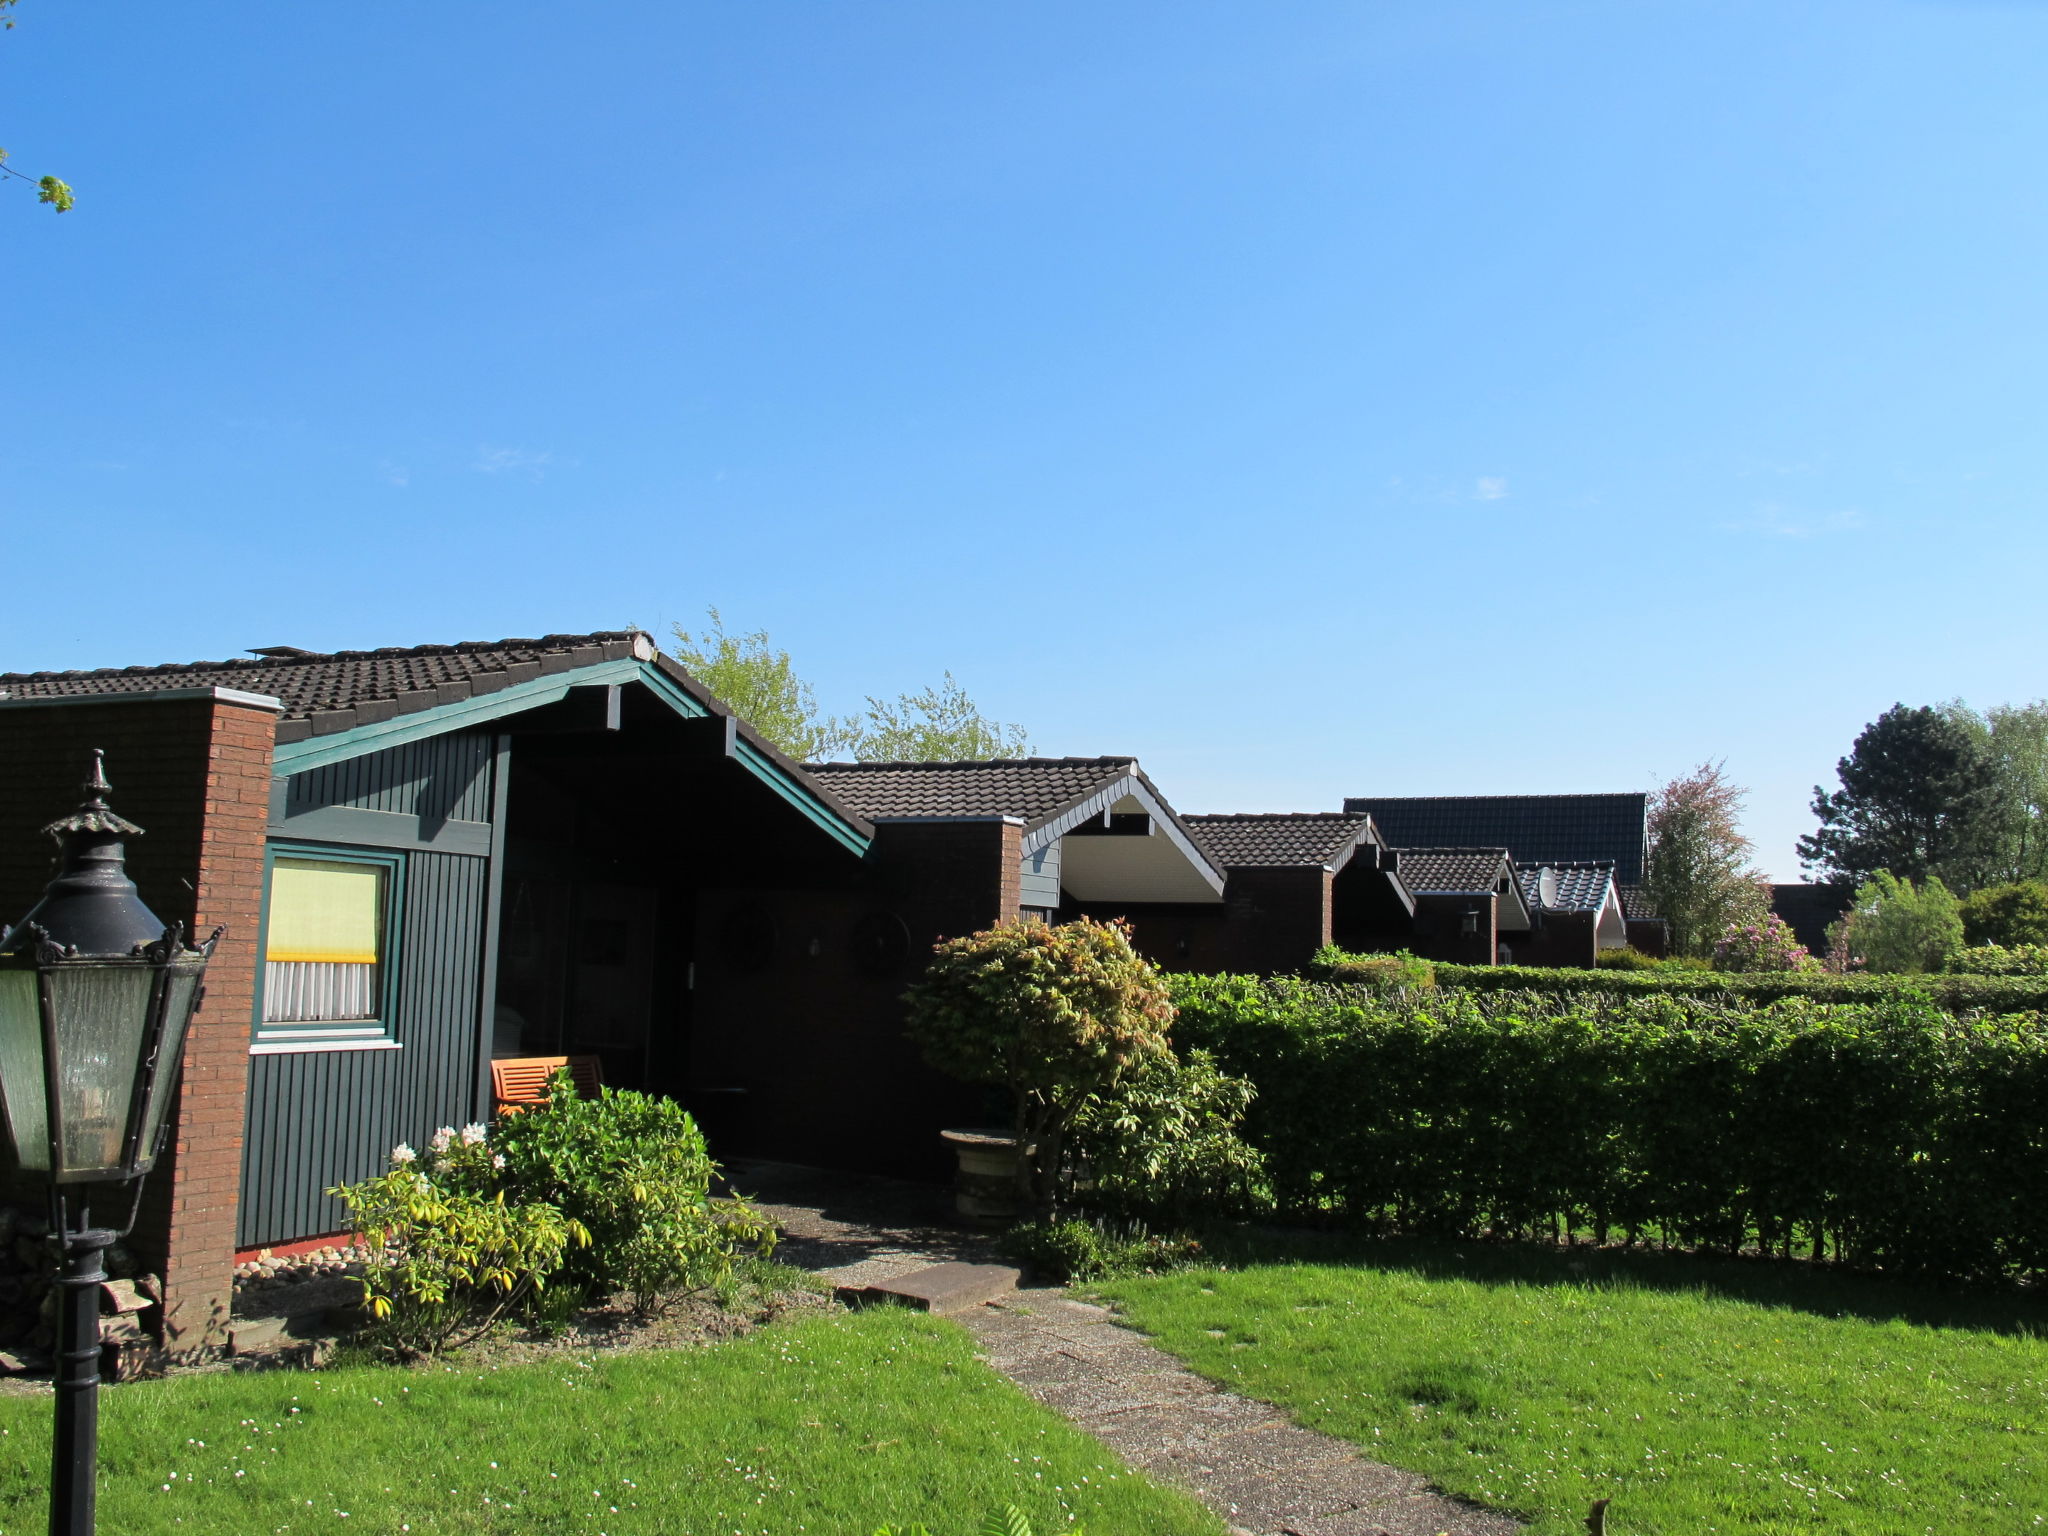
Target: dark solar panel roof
(1451, 871)
(1536, 829)
(1318, 839)
(1575, 887)
(1032, 788)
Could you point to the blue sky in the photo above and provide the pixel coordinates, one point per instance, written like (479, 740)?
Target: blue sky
(1316, 399)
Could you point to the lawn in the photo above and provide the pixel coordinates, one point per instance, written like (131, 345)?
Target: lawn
(1702, 1396)
(832, 1424)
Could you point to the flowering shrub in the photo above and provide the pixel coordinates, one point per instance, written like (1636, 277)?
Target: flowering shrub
(2001, 960)
(610, 1193)
(443, 1255)
(1764, 946)
(633, 1169)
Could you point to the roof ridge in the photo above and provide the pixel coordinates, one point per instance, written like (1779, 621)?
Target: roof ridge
(1564, 794)
(557, 642)
(1275, 816)
(978, 762)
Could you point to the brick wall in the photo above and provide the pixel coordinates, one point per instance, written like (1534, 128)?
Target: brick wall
(195, 775)
(1278, 918)
(1439, 925)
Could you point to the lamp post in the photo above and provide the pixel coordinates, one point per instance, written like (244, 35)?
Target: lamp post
(95, 998)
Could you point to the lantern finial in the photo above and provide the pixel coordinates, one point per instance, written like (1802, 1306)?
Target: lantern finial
(92, 814)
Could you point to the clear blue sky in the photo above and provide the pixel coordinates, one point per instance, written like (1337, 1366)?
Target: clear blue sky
(1312, 399)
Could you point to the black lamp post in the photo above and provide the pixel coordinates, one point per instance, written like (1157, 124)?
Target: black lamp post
(95, 997)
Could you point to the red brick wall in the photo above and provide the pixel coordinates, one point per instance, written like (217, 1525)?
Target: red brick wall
(1278, 918)
(1563, 938)
(195, 775)
(1439, 923)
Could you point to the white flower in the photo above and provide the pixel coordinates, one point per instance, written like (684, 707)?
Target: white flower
(497, 1159)
(472, 1134)
(444, 1138)
(403, 1154)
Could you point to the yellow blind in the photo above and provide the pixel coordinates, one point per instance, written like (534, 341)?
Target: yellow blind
(330, 913)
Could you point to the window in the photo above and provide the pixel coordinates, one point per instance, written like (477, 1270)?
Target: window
(326, 956)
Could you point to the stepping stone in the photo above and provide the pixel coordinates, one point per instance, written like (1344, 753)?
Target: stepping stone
(940, 1288)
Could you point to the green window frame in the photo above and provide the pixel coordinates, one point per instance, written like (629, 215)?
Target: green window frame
(354, 1033)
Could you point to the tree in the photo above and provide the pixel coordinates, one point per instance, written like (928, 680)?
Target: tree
(2014, 737)
(1897, 926)
(1918, 798)
(49, 189)
(1698, 871)
(939, 725)
(759, 684)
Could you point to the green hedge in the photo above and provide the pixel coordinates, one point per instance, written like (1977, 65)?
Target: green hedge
(1889, 1133)
(2004, 994)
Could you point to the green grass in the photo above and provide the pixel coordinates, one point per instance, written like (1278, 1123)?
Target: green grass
(1703, 1396)
(833, 1425)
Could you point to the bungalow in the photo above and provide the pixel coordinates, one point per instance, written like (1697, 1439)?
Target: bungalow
(433, 856)
(1577, 912)
(1469, 906)
(1296, 882)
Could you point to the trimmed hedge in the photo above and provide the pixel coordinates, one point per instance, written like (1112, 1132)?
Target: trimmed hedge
(1957, 993)
(1891, 1134)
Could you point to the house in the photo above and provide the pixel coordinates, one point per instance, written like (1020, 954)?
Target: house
(1809, 910)
(428, 857)
(1071, 837)
(1295, 882)
(1469, 907)
(1577, 911)
(1557, 830)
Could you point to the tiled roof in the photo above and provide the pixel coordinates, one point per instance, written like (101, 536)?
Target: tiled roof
(1450, 871)
(1032, 788)
(1318, 839)
(1636, 905)
(1536, 829)
(416, 677)
(1580, 886)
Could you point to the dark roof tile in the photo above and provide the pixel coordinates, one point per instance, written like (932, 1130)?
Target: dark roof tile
(1030, 788)
(1318, 839)
(1537, 829)
(1451, 871)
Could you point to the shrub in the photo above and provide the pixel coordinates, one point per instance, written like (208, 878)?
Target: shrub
(446, 1259)
(1627, 958)
(1679, 978)
(2007, 915)
(1162, 1140)
(2001, 960)
(1764, 946)
(1053, 1013)
(1885, 1132)
(633, 1170)
(1074, 1248)
(1383, 973)
(1896, 926)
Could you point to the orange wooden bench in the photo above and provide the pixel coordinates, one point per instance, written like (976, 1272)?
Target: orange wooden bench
(520, 1081)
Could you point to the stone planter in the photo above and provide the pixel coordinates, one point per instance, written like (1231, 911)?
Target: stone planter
(985, 1186)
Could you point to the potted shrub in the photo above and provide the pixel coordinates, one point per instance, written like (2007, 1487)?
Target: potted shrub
(1049, 1012)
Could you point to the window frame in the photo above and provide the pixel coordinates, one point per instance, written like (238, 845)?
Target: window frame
(279, 1036)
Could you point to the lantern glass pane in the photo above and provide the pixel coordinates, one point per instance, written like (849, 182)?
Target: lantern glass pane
(181, 987)
(101, 1014)
(21, 1068)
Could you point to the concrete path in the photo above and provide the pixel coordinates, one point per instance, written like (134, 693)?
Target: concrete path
(1244, 1459)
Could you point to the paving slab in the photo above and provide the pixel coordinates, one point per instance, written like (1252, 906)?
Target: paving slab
(946, 1289)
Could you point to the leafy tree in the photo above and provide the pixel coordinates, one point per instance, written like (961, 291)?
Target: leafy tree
(49, 189)
(2007, 915)
(1698, 871)
(757, 680)
(939, 725)
(1918, 798)
(1898, 926)
(2014, 737)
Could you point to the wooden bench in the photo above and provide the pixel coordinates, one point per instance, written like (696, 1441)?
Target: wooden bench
(518, 1082)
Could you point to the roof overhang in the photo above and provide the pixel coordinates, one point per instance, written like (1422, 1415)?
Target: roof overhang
(1161, 865)
(661, 677)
